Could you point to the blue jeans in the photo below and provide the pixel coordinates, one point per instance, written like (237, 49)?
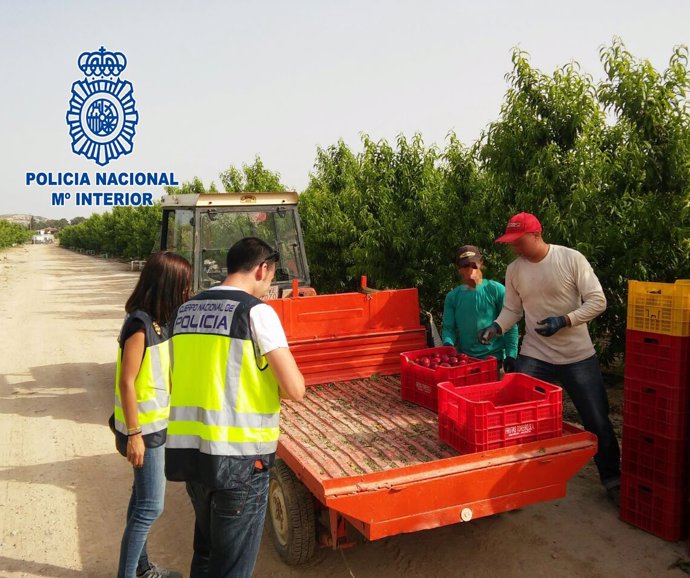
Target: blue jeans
(585, 386)
(145, 506)
(228, 527)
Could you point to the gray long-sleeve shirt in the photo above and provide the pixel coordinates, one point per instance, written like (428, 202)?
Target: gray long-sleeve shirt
(563, 283)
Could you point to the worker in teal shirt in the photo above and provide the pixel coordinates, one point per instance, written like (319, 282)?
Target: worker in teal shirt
(473, 305)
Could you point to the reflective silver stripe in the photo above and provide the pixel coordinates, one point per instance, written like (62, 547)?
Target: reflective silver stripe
(160, 385)
(160, 380)
(153, 427)
(147, 428)
(162, 400)
(224, 417)
(217, 448)
(233, 370)
(157, 369)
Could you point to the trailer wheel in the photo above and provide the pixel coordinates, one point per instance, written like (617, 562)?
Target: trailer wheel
(291, 511)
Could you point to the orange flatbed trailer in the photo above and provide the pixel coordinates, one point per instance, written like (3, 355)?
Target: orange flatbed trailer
(352, 452)
(375, 462)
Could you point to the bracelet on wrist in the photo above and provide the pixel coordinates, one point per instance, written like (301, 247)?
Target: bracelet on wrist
(133, 433)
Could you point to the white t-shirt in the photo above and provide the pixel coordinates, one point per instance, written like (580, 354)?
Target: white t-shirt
(267, 330)
(562, 283)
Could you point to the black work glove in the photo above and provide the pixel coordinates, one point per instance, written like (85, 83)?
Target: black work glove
(551, 325)
(509, 365)
(487, 334)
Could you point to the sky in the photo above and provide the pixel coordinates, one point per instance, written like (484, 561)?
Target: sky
(218, 82)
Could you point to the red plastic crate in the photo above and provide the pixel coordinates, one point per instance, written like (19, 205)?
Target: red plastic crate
(673, 351)
(657, 409)
(516, 410)
(654, 373)
(658, 358)
(654, 508)
(654, 459)
(419, 384)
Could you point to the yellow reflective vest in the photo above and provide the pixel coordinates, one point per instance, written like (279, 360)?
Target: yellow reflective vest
(152, 384)
(225, 400)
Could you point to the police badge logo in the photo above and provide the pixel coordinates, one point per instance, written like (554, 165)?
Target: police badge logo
(101, 115)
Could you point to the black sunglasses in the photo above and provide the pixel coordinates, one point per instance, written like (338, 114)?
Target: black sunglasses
(275, 256)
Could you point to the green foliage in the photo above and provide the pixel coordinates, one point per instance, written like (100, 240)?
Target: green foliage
(12, 234)
(386, 213)
(250, 179)
(643, 225)
(193, 187)
(128, 232)
(603, 165)
(37, 224)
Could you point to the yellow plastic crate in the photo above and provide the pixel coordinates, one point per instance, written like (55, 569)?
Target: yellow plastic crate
(659, 307)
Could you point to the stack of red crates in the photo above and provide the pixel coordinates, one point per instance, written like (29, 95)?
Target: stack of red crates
(656, 409)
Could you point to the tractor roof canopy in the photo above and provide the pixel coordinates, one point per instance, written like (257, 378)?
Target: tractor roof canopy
(229, 199)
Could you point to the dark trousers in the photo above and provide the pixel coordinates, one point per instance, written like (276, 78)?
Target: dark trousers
(584, 384)
(228, 527)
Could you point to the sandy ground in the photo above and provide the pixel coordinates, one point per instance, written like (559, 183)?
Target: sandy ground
(64, 489)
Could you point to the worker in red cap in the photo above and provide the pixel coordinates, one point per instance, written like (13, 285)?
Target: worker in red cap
(558, 293)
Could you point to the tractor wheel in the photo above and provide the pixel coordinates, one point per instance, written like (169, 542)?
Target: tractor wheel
(291, 512)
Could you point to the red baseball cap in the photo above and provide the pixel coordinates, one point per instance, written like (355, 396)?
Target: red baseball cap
(518, 226)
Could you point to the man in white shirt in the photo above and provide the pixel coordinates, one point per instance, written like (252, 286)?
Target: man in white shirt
(230, 366)
(558, 293)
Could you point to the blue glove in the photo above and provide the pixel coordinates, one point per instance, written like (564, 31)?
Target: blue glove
(551, 325)
(487, 334)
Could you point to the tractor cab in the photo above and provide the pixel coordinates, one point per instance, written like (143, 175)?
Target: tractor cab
(203, 227)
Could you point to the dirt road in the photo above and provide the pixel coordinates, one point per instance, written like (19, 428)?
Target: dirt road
(64, 490)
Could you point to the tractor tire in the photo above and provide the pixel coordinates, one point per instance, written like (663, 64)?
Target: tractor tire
(291, 513)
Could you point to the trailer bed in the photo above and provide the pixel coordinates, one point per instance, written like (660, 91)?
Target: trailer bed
(360, 427)
(375, 461)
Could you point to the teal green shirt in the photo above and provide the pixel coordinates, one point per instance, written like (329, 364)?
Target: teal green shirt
(467, 311)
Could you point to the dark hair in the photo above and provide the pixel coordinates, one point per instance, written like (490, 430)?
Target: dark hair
(249, 252)
(163, 286)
